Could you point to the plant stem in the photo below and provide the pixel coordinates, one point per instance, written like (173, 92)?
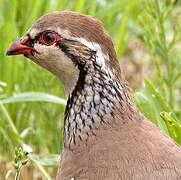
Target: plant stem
(10, 121)
(45, 174)
(17, 175)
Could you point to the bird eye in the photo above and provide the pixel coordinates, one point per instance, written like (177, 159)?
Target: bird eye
(49, 37)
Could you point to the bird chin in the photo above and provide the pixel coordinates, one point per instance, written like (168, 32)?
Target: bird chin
(25, 55)
(29, 56)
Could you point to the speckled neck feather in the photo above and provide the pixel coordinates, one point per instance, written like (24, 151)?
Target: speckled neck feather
(94, 96)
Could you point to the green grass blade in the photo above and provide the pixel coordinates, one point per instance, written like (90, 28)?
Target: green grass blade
(32, 97)
(52, 160)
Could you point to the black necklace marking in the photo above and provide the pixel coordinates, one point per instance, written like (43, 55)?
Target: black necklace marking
(94, 95)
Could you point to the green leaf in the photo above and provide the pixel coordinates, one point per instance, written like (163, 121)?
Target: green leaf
(25, 132)
(144, 105)
(156, 96)
(148, 108)
(33, 97)
(174, 127)
(51, 160)
(159, 49)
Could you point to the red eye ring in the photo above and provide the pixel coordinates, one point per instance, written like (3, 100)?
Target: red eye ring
(49, 37)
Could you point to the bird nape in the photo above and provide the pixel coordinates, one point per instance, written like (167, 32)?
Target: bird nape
(105, 136)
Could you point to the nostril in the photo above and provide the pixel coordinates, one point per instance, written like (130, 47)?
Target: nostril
(24, 39)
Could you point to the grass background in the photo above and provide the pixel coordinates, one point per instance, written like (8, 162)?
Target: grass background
(147, 38)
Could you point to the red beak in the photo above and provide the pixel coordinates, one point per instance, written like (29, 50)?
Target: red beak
(19, 47)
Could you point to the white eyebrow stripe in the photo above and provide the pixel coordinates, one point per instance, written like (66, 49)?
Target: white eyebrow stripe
(101, 57)
(33, 32)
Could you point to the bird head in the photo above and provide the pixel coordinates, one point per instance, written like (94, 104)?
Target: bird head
(68, 44)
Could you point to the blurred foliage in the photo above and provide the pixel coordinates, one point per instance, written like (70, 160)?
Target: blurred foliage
(154, 23)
